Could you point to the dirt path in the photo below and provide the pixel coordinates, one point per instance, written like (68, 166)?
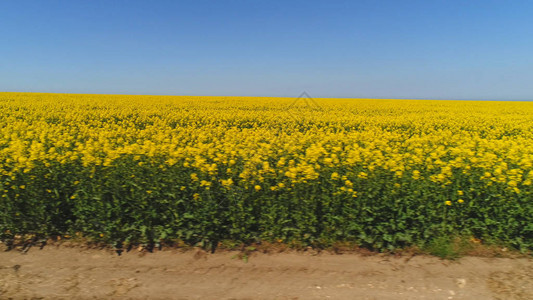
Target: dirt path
(61, 273)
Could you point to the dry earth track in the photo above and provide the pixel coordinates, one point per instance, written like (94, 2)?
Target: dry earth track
(78, 273)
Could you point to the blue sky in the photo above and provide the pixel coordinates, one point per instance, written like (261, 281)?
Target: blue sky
(360, 49)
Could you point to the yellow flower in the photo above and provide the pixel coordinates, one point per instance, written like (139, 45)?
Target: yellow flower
(348, 183)
(461, 201)
(257, 187)
(194, 177)
(448, 202)
(362, 175)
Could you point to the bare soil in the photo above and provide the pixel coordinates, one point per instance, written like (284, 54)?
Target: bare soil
(81, 273)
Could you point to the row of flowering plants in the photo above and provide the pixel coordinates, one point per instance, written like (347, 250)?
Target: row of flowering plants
(380, 174)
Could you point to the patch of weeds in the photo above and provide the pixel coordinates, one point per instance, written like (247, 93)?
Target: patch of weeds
(443, 247)
(245, 253)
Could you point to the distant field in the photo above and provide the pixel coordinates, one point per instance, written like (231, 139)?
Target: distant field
(382, 174)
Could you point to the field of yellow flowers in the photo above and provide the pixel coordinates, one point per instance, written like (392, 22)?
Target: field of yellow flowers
(380, 173)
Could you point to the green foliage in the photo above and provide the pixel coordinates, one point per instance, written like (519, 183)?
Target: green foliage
(153, 203)
(443, 247)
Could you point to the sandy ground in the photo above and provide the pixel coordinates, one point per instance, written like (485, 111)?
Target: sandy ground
(75, 273)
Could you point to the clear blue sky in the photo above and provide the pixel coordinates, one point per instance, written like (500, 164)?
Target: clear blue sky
(464, 49)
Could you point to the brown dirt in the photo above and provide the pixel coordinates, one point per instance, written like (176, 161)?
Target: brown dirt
(80, 273)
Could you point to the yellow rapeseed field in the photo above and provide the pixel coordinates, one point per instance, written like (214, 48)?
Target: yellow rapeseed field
(453, 157)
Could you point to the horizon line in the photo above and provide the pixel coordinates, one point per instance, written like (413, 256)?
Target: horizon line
(240, 96)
